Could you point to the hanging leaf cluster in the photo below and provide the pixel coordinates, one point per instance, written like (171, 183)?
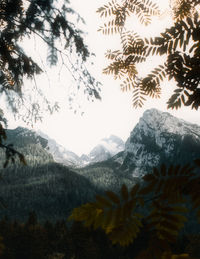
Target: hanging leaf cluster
(115, 214)
(164, 195)
(46, 20)
(179, 45)
(49, 21)
(183, 8)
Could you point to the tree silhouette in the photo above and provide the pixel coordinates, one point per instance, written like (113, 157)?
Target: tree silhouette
(179, 45)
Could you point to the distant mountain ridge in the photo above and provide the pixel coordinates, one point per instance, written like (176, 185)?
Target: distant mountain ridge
(107, 148)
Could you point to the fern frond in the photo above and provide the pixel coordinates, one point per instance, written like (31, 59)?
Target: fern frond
(144, 18)
(109, 9)
(120, 69)
(151, 8)
(151, 83)
(114, 55)
(178, 36)
(169, 183)
(126, 233)
(121, 15)
(127, 84)
(130, 41)
(178, 98)
(138, 97)
(131, 70)
(143, 9)
(166, 220)
(116, 68)
(114, 214)
(110, 28)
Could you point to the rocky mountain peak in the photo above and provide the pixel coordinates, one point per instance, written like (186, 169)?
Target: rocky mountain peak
(159, 121)
(159, 137)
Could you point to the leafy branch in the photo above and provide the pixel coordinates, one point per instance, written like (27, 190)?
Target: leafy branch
(158, 203)
(179, 45)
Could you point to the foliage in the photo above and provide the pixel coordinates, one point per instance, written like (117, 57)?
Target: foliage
(20, 21)
(179, 45)
(163, 197)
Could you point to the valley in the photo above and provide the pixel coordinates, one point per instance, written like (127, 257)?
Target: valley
(55, 180)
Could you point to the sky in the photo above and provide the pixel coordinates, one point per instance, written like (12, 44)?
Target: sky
(114, 114)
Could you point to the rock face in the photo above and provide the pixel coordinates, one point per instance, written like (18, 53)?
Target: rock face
(159, 138)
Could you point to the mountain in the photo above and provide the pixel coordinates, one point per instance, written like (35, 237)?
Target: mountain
(160, 138)
(28, 142)
(49, 188)
(53, 190)
(61, 154)
(107, 148)
(157, 138)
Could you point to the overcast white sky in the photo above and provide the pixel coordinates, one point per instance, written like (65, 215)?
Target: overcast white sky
(114, 114)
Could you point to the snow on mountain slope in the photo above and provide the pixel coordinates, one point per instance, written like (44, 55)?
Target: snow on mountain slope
(113, 144)
(107, 148)
(159, 138)
(61, 154)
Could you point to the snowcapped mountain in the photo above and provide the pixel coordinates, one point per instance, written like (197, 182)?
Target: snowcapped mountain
(107, 148)
(60, 153)
(113, 144)
(159, 138)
